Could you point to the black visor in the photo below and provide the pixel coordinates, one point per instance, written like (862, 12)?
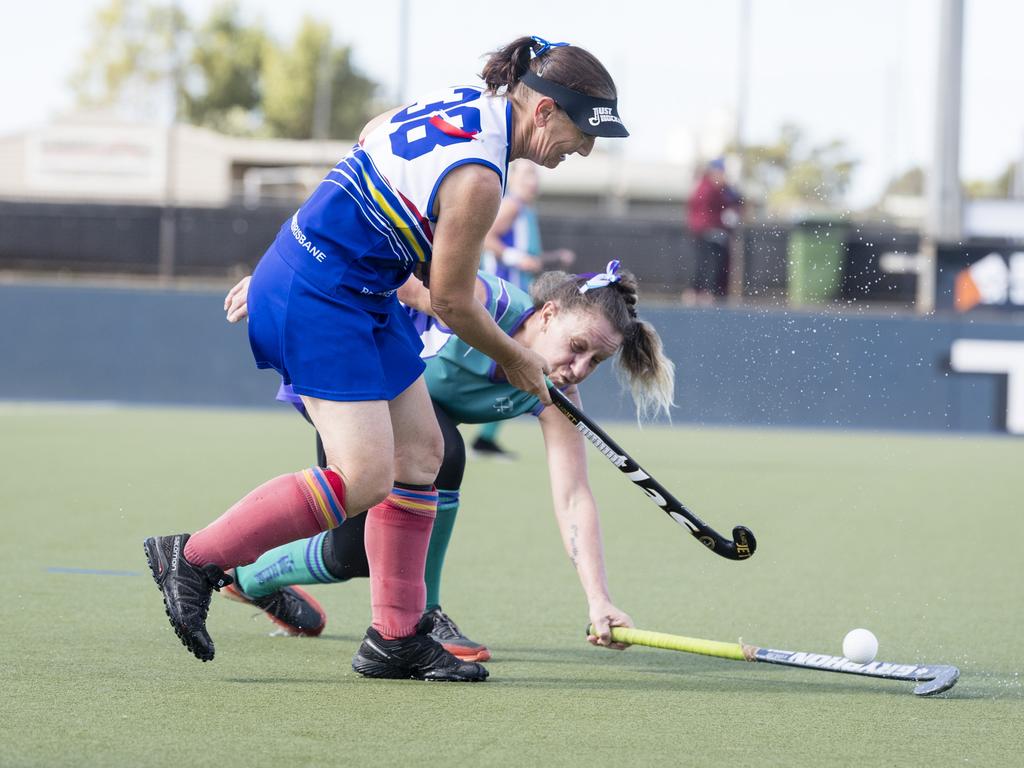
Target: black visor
(593, 116)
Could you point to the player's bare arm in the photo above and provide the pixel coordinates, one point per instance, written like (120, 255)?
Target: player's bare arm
(415, 295)
(579, 523)
(468, 201)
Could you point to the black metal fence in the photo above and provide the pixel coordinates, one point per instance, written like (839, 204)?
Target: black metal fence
(222, 242)
(209, 242)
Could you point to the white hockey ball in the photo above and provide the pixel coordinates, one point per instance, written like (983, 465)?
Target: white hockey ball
(860, 645)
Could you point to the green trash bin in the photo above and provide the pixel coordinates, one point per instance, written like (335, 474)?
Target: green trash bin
(815, 255)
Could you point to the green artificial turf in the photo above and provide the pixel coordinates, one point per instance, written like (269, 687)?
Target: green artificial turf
(914, 537)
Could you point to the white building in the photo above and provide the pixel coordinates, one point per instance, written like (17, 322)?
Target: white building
(88, 158)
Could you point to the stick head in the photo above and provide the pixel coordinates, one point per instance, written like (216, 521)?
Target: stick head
(741, 547)
(945, 677)
(744, 542)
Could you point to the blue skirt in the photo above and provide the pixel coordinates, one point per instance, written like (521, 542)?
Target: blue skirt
(326, 347)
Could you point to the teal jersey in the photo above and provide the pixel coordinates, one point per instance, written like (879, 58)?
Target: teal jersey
(463, 380)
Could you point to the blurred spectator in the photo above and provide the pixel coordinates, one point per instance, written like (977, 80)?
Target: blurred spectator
(713, 213)
(513, 252)
(512, 247)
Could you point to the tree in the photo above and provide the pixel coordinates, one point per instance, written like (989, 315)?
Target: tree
(913, 182)
(789, 173)
(312, 68)
(910, 183)
(223, 89)
(131, 64)
(227, 75)
(999, 187)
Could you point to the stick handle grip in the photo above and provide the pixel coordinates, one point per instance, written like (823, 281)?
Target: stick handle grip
(676, 642)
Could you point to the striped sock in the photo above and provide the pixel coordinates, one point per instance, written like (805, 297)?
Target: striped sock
(440, 536)
(326, 490)
(299, 562)
(284, 509)
(417, 500)
(397, 535)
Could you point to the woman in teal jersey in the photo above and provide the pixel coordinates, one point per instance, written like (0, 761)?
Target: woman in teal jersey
(574, 322)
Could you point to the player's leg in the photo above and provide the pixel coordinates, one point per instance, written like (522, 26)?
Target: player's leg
(721, 266)
(288, 319)
(486, 442)
(396, 539)
(285, 509)
(449, 481)
(435, 621)
(703, 279)
(343, 552)
(273, 582)
(294, 506)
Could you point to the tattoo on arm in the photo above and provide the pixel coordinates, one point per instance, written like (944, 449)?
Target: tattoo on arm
(574, 550)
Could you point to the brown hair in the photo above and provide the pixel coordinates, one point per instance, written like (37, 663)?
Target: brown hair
(641, 361)
(567, 65)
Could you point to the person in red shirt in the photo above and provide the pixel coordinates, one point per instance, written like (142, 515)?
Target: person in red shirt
(713, 212)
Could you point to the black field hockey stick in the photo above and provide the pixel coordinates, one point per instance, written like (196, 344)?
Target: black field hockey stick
(931, 678)
(740, 548)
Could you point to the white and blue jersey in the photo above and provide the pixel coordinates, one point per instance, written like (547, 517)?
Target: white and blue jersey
(368, 224)
(322, 305)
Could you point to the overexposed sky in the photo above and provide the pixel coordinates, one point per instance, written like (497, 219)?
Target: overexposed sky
(859, 71)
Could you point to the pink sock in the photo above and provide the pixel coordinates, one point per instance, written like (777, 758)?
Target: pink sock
(287, 508)
(396, 538)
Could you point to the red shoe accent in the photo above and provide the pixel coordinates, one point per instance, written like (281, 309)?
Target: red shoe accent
(467, 654)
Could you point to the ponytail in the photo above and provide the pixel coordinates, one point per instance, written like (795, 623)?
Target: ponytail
(506, 65)
(650, 375)
(567, 65)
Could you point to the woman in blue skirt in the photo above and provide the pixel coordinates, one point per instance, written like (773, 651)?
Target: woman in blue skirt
(417, 194)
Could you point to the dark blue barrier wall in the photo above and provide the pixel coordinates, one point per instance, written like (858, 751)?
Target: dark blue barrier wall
(139, 346)
(832, 370)
(734, 367)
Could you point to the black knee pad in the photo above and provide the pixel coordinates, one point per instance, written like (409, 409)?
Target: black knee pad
(344, 552)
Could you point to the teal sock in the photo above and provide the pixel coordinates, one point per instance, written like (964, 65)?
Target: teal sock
(447, 509)
(300, 562)
(489, 431)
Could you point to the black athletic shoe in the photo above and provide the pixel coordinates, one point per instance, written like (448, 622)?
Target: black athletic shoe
(294, 610)
(186, 590)
(440, 626)
(488, 448)
(418, 657)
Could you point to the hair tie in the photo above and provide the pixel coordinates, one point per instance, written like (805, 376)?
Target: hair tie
(545, 46)
(602, 279)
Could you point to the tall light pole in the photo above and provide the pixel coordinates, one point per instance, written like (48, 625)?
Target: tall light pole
(737, 246)
(322, 100)
(167, 244)
(402, 89)
(944, 219)
(742, 84)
